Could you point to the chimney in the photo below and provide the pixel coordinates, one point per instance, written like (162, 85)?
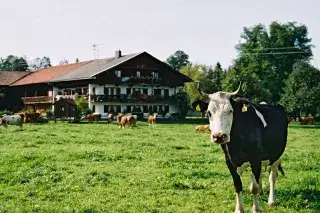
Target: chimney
(118, 54)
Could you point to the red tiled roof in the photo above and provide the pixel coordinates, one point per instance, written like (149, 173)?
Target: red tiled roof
(46, 74)
(9, 77)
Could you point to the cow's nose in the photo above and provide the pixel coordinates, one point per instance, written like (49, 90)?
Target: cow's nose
(217, 134)
(219, 137)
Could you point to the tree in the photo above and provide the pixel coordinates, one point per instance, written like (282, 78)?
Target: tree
(63, 62)
(77, 60)
(196, 73)
(302, 90)
(212, 80)
(268, 55)
(39, 63)
(178, 60)
(13, 63)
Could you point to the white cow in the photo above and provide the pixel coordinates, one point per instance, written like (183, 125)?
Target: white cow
(11, 120)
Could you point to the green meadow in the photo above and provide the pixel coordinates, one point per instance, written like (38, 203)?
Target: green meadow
(169, 168)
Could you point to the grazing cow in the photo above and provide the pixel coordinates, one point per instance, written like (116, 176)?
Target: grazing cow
(250, 135)
(307, 120)
(110, 118)
(203, 128)
(152, 119)
(92, 117)
(126, 119)
(11, 120)
(131, 121)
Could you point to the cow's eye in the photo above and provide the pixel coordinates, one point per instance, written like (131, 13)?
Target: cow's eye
(209, 113)
(231, 111)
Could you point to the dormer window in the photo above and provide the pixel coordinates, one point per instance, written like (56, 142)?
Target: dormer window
(118, 73)
(138, 74)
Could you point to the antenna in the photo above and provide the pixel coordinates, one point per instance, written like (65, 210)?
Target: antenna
(96, 51)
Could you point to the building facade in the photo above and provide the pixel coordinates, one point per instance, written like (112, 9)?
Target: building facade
(134, 83)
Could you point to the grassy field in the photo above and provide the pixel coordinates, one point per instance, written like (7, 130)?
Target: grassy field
(99, 168)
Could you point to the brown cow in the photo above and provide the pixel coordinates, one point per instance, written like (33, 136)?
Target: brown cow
(152, 120)
(125, 119)
(92, 117)
(307, 120)
(202, 128)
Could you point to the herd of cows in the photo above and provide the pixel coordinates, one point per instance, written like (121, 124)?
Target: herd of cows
(250, 135)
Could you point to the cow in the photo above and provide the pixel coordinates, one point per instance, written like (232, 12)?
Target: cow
(110, 118)
(307, 120)
(249, 134)
(202, 128)
(6, 120)
(126, 119)
(92, 117)
(152, 119)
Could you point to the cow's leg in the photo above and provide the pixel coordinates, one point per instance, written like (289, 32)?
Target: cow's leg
(260, 183)
(237, 186)
(254, 186)
(272, 181)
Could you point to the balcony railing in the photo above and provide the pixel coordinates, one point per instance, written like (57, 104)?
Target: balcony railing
(47, 99)
(141, 98)
(37, 100)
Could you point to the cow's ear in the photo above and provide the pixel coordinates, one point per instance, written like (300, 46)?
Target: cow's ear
(200, 105)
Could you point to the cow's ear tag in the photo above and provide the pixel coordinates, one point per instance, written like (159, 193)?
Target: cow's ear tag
(198, 108)
(244, 108)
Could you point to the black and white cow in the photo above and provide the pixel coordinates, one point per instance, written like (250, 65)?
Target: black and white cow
(6, 120)
(250, 134)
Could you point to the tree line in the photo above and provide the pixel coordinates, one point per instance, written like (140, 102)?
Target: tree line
(17, 63)
(273, 65)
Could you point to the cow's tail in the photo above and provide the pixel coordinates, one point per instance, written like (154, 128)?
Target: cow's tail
(280, 169)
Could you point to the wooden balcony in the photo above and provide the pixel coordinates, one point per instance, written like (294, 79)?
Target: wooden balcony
(141, 98)
(46, 99)
(38, 100)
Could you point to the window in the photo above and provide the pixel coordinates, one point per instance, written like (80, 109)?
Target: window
(166, 109)
(118, 91)
(128, 91)
(155, 75)
(145, 109)
(138, 74)
(118, 109)
(166, 93)
(105, 108)
(157, 91)
(93, 90)
(106, 91)
(128, 109)
(93, 108)
(145, 91)
(155, 109)
(118, 73)
(111, 91)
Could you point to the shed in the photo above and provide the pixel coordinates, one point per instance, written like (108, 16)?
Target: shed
(65, 108)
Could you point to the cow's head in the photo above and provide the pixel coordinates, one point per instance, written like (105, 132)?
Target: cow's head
(220, 113)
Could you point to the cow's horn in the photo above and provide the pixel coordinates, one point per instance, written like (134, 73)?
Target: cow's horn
(201, 93)
(235, 92)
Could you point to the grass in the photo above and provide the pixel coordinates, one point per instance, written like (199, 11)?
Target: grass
(100, 168)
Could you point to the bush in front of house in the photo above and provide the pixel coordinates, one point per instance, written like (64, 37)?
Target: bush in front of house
(6, 112)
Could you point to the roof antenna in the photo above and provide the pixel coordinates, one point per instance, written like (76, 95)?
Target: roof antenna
(96, 51)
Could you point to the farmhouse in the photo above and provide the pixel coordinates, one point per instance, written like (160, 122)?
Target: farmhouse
(7, 78)
(134, 83)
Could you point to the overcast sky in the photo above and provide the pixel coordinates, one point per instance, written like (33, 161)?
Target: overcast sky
(207, 30)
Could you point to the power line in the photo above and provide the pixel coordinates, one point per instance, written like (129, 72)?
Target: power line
(278, 48)
(276, 53)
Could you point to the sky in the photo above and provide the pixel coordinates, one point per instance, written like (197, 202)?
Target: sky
(207, 30)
